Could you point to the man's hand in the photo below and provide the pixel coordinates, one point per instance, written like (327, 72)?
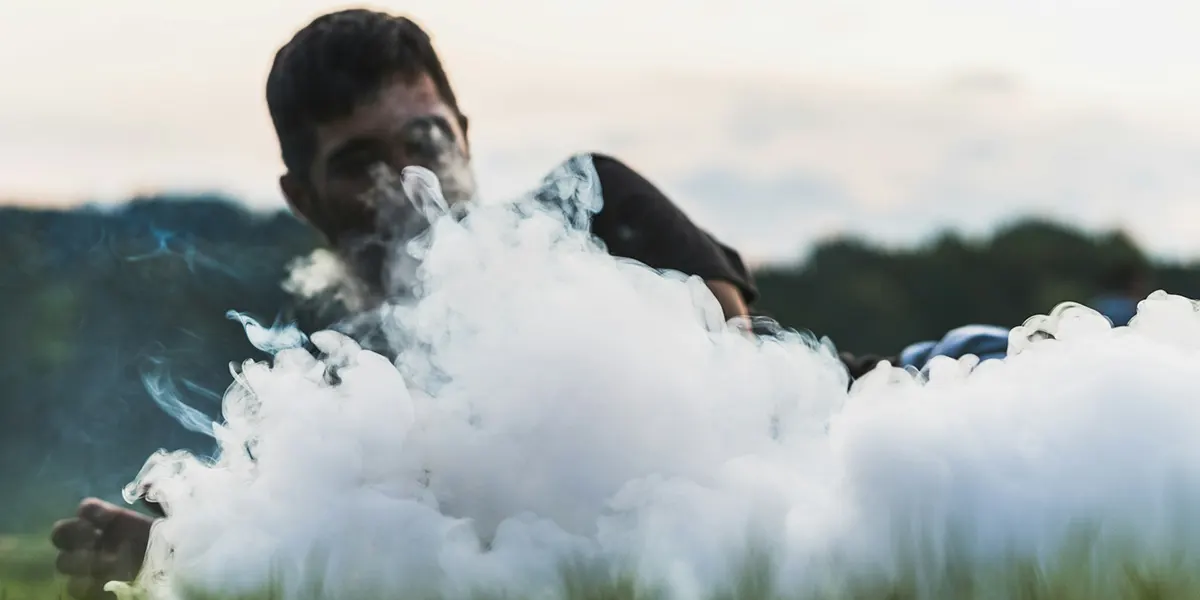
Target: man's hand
(103, 543)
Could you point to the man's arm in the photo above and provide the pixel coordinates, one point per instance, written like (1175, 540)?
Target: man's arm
(639, 222)
(730, 298)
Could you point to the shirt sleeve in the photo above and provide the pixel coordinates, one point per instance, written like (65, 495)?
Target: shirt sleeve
(638, 221)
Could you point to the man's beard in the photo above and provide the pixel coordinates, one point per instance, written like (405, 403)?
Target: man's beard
(430, 143)
(406, 205)
(371, 269)
(452, 168)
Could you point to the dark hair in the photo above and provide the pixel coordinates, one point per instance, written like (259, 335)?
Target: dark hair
(335, 63)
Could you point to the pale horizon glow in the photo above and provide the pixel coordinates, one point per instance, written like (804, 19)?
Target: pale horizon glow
(888, 118)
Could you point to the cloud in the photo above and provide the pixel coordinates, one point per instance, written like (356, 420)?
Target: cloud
(901, 164)
(767, 164)
(984, 81)
(768, 217)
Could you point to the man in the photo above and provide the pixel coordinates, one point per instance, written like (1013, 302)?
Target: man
(358, 89)
(356, 92)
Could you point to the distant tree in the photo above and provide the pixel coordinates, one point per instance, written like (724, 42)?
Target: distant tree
(95, 298)
(868, 299)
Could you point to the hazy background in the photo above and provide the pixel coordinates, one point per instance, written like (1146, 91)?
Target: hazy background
(895, 168)
(774, 123)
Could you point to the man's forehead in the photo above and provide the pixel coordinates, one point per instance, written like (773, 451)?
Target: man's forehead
(396, 102)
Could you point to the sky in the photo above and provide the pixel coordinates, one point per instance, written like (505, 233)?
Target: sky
(773, 124)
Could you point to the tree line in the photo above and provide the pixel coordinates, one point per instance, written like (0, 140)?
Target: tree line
(97, 298)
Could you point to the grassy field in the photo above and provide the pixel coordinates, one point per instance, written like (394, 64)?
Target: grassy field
(27, 573)
(27, 569)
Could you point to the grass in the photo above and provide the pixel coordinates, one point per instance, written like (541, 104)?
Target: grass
(1079, 573)
(27, 569)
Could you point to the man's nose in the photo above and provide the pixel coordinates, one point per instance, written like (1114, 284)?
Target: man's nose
(427, 140)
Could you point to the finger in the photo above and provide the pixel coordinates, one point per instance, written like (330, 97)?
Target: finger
(113, 566)
(78, 563)
(98, 512)
(127, 529)
(70, 534)
(122, 562)
(82, 588)
(127, 519)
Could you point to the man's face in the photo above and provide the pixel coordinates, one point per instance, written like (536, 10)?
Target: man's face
(405, 124)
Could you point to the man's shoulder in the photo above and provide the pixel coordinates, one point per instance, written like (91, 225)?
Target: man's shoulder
(608, 163)
(610, 170)
(613, 193)
(618, 178)
(622, 193)
(636, 220)
(596, 190)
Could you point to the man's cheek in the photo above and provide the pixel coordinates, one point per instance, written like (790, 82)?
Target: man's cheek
(348, 215)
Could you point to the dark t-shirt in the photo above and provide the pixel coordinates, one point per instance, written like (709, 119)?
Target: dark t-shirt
(639, 222)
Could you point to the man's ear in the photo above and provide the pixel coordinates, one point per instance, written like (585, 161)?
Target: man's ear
(298, 196)
(463, 123)
(303, 203)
